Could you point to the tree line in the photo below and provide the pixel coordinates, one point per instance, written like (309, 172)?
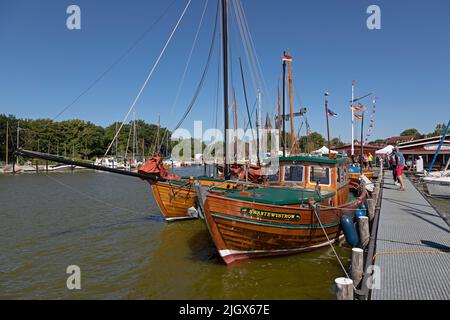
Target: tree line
(439, 130)
(80, 139)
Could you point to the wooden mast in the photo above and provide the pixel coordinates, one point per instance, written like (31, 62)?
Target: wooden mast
(157, 135)
(328, 126)
(279, 112)
(257, 127)
(235, 119)
(284, 105)
(226, 170)
(291, 102)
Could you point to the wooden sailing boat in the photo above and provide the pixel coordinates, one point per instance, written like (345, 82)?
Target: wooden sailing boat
(176, 196)
(299, 212)
(279, 218)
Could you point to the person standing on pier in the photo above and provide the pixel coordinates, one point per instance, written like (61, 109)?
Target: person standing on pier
(370, 159)
(393, 166)
(400, 161)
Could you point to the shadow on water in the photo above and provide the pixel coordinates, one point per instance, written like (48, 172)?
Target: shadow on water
(203, 248)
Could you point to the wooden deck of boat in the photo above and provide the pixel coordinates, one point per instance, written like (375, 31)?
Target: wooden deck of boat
(412, 247)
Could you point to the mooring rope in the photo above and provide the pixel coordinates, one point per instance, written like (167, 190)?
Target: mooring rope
(93, 198)
(314, 208)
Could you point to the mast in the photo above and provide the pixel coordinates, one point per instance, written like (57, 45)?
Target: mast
(328, 126)
(117, 138)
(157, 135)
(235, 126)
(226, 170)
(257, 127)
(279, 112)
(7, 142)
(284, 105)
(18, 140)
(353, 120)
(134, 136)
(291, 102)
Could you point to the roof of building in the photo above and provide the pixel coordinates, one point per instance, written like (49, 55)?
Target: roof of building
(398, 139)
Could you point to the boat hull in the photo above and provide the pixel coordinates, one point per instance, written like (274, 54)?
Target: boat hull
(294, 229)
(438, 188)
(175, 198)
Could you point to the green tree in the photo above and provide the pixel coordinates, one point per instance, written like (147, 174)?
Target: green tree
(411, 132)
(438, 131)
(378, 142)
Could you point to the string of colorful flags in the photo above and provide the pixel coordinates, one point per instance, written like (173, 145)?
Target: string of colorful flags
(361, 108)
(372, 120)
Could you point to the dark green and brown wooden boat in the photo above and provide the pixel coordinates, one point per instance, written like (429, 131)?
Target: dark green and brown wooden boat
(278, 219)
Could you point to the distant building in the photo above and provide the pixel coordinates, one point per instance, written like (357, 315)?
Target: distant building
(426, 148)
(347, 149)
(399, 139)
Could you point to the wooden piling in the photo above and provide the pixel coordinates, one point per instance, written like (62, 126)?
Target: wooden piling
(376, 191)
(371, 208)
(344, 288)
(364, 232)
(357, 265)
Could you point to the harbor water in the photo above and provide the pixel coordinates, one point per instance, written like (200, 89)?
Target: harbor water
(110, 226)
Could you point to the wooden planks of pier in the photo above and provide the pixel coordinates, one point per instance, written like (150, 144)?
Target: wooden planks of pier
(412, 247)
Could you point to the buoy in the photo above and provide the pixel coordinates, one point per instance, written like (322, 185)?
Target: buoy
(350, 233)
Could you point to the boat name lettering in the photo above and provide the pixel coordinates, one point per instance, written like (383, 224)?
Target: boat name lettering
(269, 214)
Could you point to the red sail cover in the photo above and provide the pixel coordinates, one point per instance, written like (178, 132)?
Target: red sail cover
(154, 166)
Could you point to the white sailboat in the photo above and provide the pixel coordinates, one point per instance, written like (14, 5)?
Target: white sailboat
(438, 182)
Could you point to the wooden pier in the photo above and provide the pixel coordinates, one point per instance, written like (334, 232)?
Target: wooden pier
(412, 247)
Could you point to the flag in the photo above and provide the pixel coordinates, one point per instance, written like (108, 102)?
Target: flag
(359, 107)
(358, 116)
(287, 58)
(331, 113)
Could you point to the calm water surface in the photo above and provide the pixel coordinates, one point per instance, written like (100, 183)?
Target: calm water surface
(110, 227)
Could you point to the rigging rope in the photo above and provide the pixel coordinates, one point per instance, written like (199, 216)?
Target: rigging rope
(202, 79)
(180, 86)
(149, 75)
(103, 74)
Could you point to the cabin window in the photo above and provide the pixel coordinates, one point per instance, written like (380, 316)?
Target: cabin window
(294, 173)
(273, 177)
(321, 174)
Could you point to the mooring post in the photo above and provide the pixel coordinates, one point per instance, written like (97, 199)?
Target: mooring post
(46, 166)
(357, 265)
(344, 288)
(371, 208)
(37, 168)
(376, 191)
(364, 233)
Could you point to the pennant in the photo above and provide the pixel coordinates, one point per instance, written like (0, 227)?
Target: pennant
(331, 113)
(358, 116)
(359, 107)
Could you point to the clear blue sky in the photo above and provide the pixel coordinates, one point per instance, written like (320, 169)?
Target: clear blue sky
(44, 66)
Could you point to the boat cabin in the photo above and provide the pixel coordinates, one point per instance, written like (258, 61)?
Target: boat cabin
(315, 172)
